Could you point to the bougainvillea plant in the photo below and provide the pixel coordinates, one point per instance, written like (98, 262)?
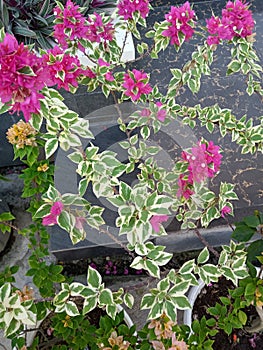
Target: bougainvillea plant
(27, 87)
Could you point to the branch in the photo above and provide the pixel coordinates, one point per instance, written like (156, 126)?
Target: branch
(207, 244)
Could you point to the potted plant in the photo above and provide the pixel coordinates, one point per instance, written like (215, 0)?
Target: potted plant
(144, 207)
(233, 313)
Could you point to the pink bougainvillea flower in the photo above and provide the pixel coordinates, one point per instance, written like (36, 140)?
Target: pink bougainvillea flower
(136, 84)
(127, 8)
(63, 68)
(184, 187)
(103, 63)
(109, 76)
(161, 114)
(80, 221)
(22, 76)
(225, 211)
(180, 20)
(213, 157)
(204, 161)
(55, 211)
(145, 112)
(239, 18)
(197, 163)
(156, 220)
(97, 31)
(236, 21)
(70, 24)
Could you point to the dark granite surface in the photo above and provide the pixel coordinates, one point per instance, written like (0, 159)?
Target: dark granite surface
(245, 171)
(229, 92)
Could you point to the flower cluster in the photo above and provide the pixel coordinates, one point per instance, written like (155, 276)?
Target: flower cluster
(25, 294)
(63, 69)
(98, 31)
(55, 211)
(110, 268)
(115, 342)
(202, 162)
(156, 220)
(163, 330)
(22, 77)
(127, 8)
(70, 24)
(136, 84)
(22, 134)
(180, 20)
(160, 114)
(236, 21)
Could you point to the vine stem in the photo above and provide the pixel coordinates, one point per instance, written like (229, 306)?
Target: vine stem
(123, 246)
(204, 241)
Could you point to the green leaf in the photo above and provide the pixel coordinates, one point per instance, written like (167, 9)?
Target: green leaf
(12, 328)
(250, 289)
(7, 216)
(42, 211)
(170, 310)
(252, 221)
(243, 233)
(71, 309)
(145, 132)
(3, 108)
(51, 146)
(234, 66)
(242, 316)
(61, 297)
(89, 304)
(225, 300)
(55, 269)
(83, 185)
(147, 301)
(187, 267)
(26, 70)
(64, 221)
(125, 191)
(24, 32)
(203, 256)
(112, 310)
(5, 291)
(152, 268)
(128, 300)
(181, 302)
(105, 297)
(93, 278)
(75, 157)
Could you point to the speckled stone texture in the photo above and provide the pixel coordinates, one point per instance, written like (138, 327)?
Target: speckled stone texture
(245, 171)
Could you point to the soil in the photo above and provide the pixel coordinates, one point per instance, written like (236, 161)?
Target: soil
(46, 338)
(239, 339)
(119, 265)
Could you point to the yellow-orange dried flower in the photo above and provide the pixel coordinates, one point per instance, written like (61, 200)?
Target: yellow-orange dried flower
(115, 340)
(43, 168)
(258, 295)
(25, 294)
(22, 134)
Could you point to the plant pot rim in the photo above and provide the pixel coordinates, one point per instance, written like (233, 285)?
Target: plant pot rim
(193, 293)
